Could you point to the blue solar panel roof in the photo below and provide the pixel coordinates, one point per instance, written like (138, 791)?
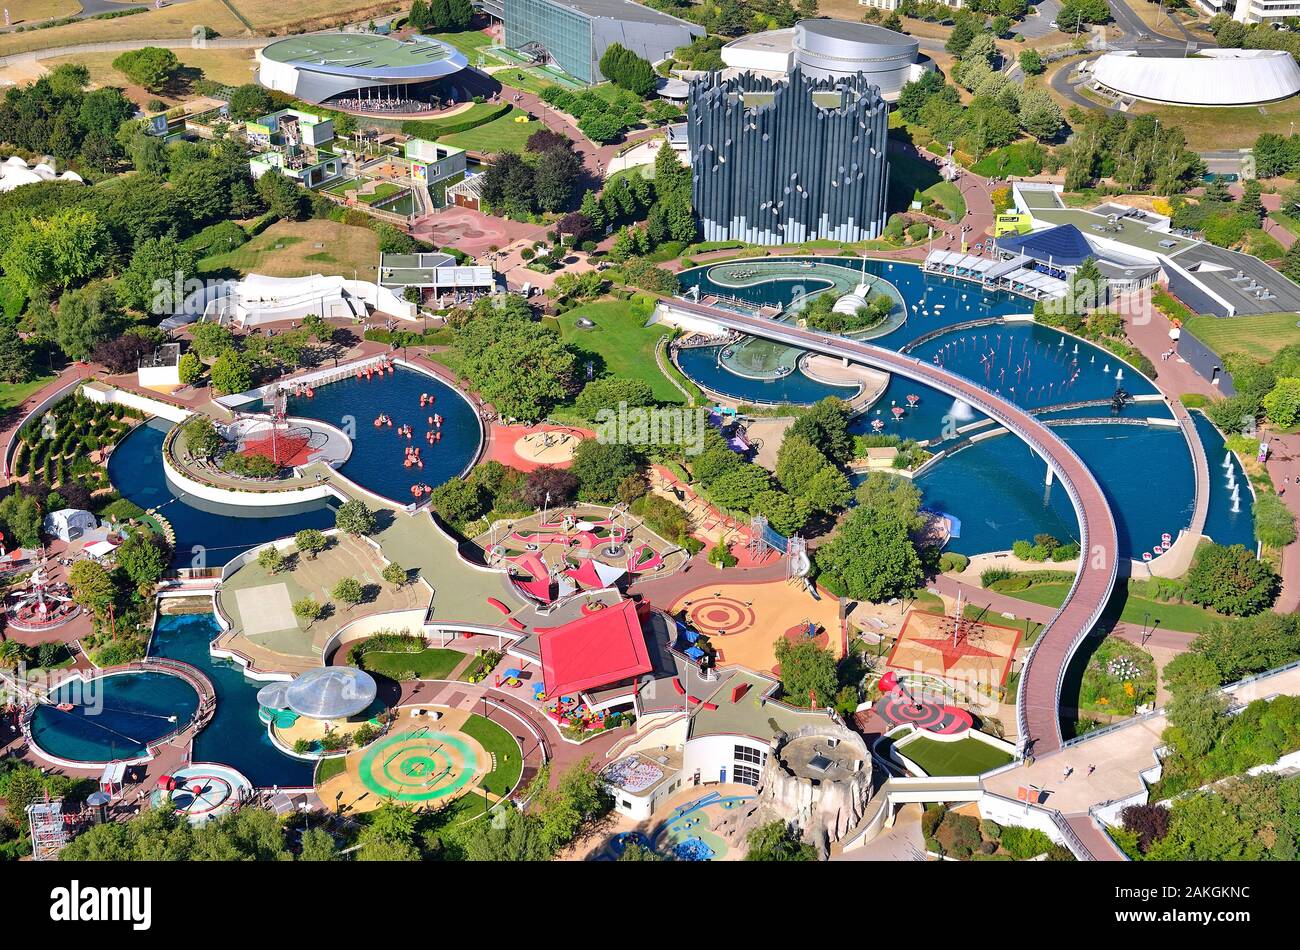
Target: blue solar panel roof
(1064, 244)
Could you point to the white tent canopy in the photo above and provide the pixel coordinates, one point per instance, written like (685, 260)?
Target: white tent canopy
(68, 524)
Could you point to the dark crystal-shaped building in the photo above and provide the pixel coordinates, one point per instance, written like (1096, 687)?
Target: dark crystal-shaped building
(788, 160)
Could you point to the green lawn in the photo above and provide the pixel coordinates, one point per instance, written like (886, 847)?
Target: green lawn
(529, 80)
(15, 394)
(501, 744)
(1188, 618)
(1257, 336)
(326, 769)
(468, 42)
(500, 135)
(948, 195)
(1013, 159)
(620, 341)
(430, 664)
(963, 757)
(382, 191)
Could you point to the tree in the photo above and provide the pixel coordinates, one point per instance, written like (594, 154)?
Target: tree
(349, 591)
(394, 574)
(1274, 523)
(578, 798)
(308, 609)
(310, 542)
(496, 341)
(16, 357)
(510, 836)
(555, 177)
(1039, 114)
(774, 842)
(807, 474)
(1240, 647)
(66, 248)
(317, 845)
(740, 487)
(270, 559)
(201, 437)
(1283, 403)
(610, 392)
(157, 261)
(92, 586)
(190, 369)
(808, 674)
(1231, 580)
(20, 516)
(549, 486)
(249, 101)
(209, 340)
(509, 184)
(354, 518)
(121, 354)
(144, 559)
(283, 197)
(964, 30)
(1197, 717)
(826, 425)
(149, 66)
(457, 502)
(627, 70)
(1275, 154)
(871, 557)
(915, 94)
(600, 468)
(231, 373)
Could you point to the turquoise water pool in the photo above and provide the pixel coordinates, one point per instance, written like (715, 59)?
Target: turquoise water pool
(113, 717)
(235, 736)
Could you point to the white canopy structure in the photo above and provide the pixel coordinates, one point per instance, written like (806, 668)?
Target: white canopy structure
(15, 172)
(68, 524)
(1212, 77)
(101, 548)
(259, 299)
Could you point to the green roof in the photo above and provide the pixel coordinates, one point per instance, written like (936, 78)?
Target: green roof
(1133, 233)
(357, 50)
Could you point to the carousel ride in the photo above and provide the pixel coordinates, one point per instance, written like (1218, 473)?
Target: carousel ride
(43, 605)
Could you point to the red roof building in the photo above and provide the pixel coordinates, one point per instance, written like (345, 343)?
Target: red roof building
(599, 649)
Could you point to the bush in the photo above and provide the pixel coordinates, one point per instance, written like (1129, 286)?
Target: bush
(1025, 843)
(991, 575)
(1231, 580)
(1274, 523)
(952, 562)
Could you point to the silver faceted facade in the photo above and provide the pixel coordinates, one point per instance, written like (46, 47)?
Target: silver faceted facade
(788, 160)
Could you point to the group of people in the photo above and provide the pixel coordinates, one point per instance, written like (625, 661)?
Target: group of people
(386, 105)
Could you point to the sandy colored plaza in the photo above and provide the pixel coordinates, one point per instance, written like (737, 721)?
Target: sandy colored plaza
(728, 614)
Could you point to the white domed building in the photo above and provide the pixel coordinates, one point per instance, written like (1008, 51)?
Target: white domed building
(1212, 77)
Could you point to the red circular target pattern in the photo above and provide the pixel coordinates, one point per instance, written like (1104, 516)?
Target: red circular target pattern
(716, 616)
(936, 717)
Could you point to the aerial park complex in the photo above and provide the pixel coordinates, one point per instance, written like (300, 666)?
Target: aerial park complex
(370, 589)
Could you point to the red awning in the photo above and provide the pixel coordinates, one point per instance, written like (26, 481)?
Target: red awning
(596, 650)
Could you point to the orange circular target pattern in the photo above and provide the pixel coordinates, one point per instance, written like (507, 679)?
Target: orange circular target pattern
(720, 616)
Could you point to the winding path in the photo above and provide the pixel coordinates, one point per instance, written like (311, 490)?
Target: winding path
(1038, 702)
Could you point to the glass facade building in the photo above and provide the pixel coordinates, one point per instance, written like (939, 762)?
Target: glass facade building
(574, 34)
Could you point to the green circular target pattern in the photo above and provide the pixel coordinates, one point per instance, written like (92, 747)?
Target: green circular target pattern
(418, 768)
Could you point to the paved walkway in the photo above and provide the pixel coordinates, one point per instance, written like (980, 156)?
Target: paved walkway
(1150, 334)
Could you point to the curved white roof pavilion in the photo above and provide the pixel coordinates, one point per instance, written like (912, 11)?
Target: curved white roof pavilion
(1214, 77)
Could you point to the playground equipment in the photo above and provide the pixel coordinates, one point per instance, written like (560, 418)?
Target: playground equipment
(43, 606)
